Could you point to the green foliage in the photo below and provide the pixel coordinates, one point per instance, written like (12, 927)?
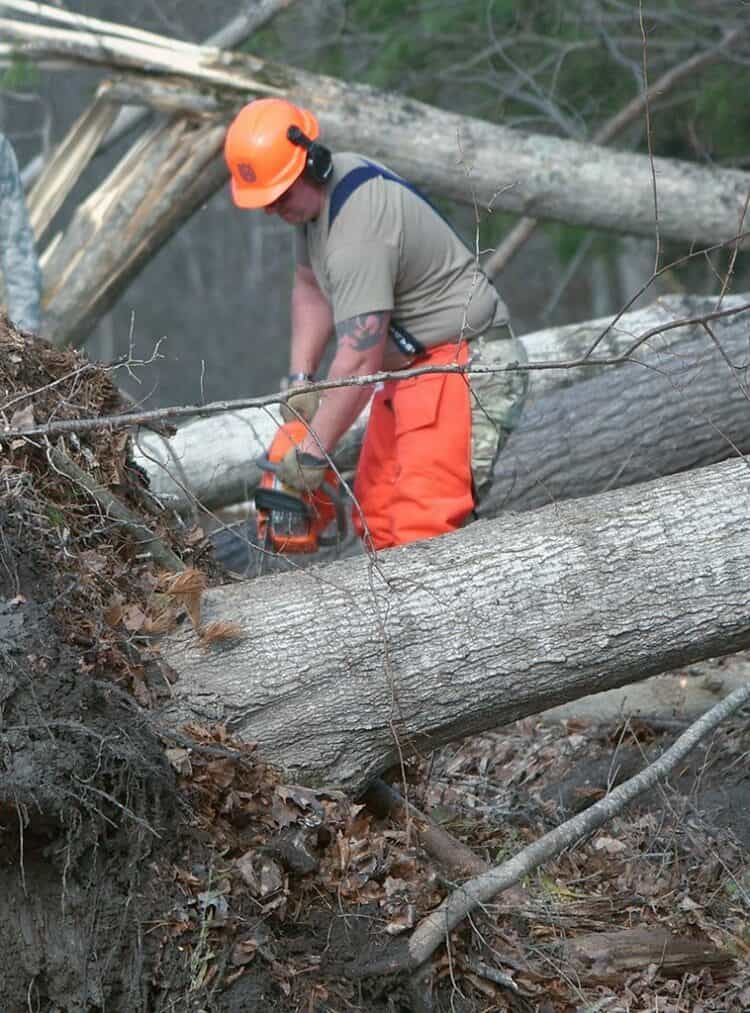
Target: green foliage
(20, 76)
(542, 65)
(722, 113)
(546, 66)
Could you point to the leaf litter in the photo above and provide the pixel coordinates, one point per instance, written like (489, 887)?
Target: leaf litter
(258, 894)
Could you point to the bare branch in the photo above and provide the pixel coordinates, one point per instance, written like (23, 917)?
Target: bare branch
(131, 419)
(472, 895)
(116, 509)
(665, 84)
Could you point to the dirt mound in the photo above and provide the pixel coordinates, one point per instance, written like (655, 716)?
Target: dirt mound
(146, 871)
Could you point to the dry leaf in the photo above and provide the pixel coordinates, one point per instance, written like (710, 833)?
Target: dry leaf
(407, 919)
(610, 845)
(180, 760)
(213, 632)
(23, 418)
(133, 618)
(162, 622)
(188, 587)
(188, 582)
(113, 615)
(243, 952)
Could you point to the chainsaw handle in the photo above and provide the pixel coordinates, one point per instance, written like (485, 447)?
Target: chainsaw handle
(265, 464)
(333, 494)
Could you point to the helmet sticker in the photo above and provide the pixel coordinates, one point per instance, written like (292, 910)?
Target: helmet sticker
(247, 172)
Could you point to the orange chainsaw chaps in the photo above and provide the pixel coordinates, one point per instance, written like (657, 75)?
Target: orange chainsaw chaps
(289, 520)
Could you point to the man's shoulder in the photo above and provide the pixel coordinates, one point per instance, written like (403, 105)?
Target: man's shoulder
(345, 161)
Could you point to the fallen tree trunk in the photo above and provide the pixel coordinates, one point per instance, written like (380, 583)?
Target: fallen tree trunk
(507, 170)
(688, 408)
(344, 670)
(465, 159)
(210, 461)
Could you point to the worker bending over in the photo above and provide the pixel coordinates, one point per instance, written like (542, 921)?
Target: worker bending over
(380, 267)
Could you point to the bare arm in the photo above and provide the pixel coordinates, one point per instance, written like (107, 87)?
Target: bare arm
(312, 322)
(359, 351)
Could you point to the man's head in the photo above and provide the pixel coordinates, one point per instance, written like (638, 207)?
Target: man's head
(275, 161)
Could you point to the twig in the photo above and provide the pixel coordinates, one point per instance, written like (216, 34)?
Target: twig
(114, 508)
(132, 419)
(477, 892)
(383, 799)
(485, 971)
(526, 227)
(649, 138)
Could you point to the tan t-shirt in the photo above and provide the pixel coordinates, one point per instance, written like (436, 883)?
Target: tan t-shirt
(390, 250)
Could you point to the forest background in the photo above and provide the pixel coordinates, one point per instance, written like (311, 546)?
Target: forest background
(218, 291)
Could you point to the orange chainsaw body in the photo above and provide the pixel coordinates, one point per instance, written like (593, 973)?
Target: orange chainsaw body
(290, 520)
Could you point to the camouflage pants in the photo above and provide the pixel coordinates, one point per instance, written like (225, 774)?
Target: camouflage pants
(497, 400)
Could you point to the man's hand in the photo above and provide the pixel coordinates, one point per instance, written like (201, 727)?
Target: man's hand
(302, 471)
(300, 406)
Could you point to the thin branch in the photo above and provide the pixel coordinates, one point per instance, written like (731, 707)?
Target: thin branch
(131, 419)
(649, 138)
(477, 892)
(630, 112)
(116, 509)
(383, 799)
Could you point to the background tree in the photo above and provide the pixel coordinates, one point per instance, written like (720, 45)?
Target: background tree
(540, 66)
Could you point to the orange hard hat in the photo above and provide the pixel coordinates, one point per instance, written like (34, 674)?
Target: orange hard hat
(261, 158)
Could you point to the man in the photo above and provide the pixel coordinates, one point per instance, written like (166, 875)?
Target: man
(22, 277)
(378, 265)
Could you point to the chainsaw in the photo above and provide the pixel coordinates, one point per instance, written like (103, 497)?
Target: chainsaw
(290, 520)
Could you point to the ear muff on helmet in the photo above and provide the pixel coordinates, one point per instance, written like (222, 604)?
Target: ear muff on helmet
(263, 160)
(319, 163)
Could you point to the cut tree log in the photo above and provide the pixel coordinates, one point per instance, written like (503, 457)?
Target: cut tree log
(343, 670)
(631, 424)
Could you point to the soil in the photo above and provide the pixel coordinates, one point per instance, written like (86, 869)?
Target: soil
(143, 872)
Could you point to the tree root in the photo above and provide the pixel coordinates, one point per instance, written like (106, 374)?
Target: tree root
(115, 508)
(453, 854)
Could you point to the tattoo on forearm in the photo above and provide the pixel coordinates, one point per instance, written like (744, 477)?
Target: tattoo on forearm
(363, 332)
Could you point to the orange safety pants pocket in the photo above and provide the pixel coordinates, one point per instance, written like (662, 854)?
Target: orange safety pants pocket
(416, 401)
(414, 475)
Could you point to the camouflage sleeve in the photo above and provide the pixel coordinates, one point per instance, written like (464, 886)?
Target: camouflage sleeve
(21, 272)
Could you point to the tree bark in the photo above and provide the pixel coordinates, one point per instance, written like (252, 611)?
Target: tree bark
(464, 158)
(345, 669)
(615, 441)
(681, 407)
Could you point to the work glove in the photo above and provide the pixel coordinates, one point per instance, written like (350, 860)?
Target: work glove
(304, 472)
(305, 404)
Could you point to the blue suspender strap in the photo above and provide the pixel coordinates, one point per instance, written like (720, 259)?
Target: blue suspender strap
(343, 190)
(354, 179)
